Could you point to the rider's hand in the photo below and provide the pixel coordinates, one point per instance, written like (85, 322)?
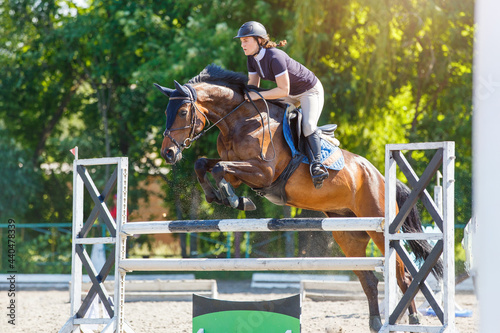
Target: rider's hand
(253, 96)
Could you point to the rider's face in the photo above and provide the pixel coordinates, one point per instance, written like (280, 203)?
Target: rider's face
(249, 45)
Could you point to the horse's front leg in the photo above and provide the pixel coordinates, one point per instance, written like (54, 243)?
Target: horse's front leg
(201, 167)
(228, 175)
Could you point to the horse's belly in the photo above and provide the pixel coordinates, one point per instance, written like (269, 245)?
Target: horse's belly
(333, 196)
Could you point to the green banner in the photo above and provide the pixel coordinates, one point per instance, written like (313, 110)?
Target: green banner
(219, 316)
(246, 322)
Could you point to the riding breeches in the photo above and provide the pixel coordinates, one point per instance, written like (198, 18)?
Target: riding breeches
(312, 102)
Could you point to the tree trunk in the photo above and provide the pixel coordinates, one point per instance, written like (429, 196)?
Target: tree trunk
(52, 123)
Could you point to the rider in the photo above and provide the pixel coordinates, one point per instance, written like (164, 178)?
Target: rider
(296, 85)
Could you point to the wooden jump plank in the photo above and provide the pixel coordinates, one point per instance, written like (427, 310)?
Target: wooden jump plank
(252, 264)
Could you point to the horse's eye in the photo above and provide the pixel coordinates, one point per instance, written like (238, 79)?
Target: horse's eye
(183, 113)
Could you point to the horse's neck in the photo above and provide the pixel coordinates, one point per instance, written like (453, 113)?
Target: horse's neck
(238, 118)
(221, 103)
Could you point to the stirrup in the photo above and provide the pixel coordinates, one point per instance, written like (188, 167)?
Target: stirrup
(318, 179)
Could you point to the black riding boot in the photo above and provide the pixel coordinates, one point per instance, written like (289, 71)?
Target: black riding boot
(318, 171)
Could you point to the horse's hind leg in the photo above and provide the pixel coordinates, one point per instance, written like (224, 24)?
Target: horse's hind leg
(353, 244)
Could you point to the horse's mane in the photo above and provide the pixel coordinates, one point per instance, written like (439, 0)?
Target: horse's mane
(236, 81)
(217, 75)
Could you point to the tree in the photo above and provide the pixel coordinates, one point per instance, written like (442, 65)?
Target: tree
(393, 71)
(397, 71)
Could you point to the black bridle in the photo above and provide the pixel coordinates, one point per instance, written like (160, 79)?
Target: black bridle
(194, 118)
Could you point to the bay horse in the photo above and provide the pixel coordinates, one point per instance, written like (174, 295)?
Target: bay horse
(253, 151)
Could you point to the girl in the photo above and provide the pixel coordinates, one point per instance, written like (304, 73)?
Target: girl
(296, 85)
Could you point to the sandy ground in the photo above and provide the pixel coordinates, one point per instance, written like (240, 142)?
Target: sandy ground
(47, 311)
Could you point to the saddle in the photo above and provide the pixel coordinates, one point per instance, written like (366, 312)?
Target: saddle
(292, 130)
(294, 120)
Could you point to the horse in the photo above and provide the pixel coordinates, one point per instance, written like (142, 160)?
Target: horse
(252, 151)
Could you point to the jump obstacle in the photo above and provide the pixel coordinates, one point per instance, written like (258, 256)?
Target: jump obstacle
(119, 230)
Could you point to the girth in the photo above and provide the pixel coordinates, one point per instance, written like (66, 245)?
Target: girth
(276, 191)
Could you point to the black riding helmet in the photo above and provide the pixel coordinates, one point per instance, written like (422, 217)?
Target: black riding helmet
(252, 29)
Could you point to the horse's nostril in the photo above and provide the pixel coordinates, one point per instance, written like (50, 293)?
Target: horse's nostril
(170, 154)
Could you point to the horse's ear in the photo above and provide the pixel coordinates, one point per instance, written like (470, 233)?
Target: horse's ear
(180, 88)
(164, 90)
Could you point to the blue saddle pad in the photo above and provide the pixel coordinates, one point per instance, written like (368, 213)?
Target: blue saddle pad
(331, 155)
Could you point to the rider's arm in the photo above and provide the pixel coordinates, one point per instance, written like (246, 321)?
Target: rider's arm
(282, 89)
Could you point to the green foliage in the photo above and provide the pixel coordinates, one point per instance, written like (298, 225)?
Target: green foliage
(393, 71)
(17, 182)
(46, 253)
(396, 71)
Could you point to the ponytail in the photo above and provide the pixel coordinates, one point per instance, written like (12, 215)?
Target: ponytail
(267, 43)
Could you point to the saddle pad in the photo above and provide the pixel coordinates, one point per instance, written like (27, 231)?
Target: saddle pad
(331, 155)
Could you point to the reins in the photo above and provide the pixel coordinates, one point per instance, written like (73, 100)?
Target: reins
(194, 117)
(218, 121)
(263, 125)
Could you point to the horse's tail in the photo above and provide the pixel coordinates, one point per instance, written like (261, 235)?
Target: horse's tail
(412, 224)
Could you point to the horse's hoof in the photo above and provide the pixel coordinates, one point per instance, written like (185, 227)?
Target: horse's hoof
(413, 319)
(213, 199)
(375, 324)
(227, 192)
(246, 204)
(219, 202)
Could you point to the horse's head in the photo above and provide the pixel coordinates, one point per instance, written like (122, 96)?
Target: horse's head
(183, 121)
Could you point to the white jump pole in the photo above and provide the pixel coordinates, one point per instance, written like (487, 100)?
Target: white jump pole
(486, 154)
(253, 264)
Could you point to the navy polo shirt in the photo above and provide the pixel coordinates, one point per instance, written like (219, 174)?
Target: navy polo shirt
(272, 63)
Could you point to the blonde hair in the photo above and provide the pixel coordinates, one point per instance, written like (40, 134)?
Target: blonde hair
(267, 43)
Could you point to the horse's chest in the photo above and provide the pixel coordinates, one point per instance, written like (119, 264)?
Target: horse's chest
(230, 152)
(237, 148)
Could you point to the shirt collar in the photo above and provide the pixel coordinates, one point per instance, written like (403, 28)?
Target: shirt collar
(261, 54)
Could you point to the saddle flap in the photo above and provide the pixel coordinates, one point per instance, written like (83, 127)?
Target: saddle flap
(294, 119)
